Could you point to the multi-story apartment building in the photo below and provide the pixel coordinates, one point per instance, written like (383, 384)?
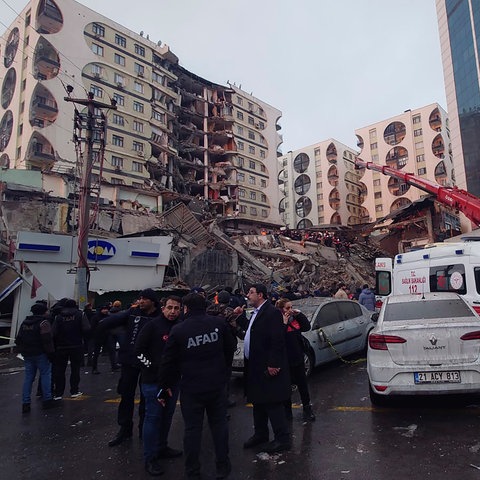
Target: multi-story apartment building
(416, 141)
(459, 29)
(320, 186)
(172, 134)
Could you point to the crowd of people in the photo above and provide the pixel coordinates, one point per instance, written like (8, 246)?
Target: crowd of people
(178, 348)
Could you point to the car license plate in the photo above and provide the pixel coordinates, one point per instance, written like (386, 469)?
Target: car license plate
(437, 377)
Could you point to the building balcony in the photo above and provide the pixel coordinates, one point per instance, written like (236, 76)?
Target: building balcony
(49, 17)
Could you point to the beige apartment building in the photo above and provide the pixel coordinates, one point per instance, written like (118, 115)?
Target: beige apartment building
(416, 141)
(320, 186)
(173, 135)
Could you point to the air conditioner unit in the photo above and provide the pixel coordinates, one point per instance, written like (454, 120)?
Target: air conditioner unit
(141, 154)
(140, 74)
(119, 84)
(96, 75)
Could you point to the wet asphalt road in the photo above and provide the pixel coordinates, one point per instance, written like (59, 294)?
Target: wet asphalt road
(350, 439)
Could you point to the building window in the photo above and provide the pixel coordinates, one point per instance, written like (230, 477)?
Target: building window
(417, 133)
(261, 125)
(158, 116)
(251, 180)
(96, 70)
(373, 146)
(118, 119)
(251, 121)
(138, 107)
(251, 135)
(240, 100)
(418, 145)
(139, 69)
(117, 140)
(137, 185)
(119, 79)
(97, 91)
(119, 59)
(239, 130)
(137, 146)
(263, 183)
(264, 213)
(250, 106)
(241, 193)
(117, 181)
(251, 149)
(263, 197)
(376, 183)
(98, 30)
(262, 153)
(263, 168)
(241, 177)
(375, 158)
(120, 99)
(251, 164)
(417, 119)
(319, 196)
(119, 40)
(253, 195)
(240, 145)
(243, 209)
(378, 194)
(117, 161)
(138, 87)
(420, 158)
(157, 78)
(379, 208)
(253, 211)
(139, 50)
(138, 126)
(97, 49)
(422, 171)
(137, 167)
(240, 161)
(240, 115)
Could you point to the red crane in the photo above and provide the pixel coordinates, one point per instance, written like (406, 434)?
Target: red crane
(454, 197)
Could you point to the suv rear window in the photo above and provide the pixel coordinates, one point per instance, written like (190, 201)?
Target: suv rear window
(397, 312)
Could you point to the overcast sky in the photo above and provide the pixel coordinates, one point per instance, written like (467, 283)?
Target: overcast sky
(330, 66)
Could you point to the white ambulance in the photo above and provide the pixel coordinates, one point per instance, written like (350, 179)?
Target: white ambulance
(442, 267)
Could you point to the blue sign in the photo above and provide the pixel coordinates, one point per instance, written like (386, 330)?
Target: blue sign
(99, 250)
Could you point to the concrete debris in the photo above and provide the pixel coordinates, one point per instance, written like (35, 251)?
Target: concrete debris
(409, 431)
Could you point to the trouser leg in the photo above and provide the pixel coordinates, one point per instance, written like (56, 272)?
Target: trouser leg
(167, 417)
(278, 420)
(193, 411)
(76, 358)
(300, 379)
(260, 420)
(30, 372)
(127, 386)
(45, 368)
(152, 422)
(217, 420)
(59, 369)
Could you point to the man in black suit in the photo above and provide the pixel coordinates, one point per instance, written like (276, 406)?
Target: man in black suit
(267, 372)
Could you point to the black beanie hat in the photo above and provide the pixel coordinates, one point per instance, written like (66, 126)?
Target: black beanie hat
(149, 294)
(223, 297)
(38, 308)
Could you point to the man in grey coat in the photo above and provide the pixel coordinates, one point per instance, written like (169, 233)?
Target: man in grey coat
(367, 298)
(267, 372)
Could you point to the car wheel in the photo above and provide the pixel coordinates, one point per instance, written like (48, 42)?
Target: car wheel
(377, 399)
(309, 362)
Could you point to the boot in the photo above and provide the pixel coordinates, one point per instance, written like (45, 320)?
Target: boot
(308, 415)
(122, 435)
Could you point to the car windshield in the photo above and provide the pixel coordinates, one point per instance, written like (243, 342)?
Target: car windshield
(426, 310)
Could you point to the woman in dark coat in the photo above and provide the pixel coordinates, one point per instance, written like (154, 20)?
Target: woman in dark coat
(296, 323)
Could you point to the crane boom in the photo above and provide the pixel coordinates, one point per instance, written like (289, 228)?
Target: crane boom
(454, 197)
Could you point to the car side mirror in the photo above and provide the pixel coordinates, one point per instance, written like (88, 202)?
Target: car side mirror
(374, 317)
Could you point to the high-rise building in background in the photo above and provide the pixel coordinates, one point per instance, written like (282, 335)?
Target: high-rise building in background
(174, 135)
(416, 141)
(320, 186)
(459, 27)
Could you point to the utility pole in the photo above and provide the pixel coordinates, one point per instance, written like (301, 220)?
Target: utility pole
(93, 125)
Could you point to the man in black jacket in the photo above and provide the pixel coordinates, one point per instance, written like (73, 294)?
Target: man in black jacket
(34, 341)
(148, 350)
(267, 372)
(197, 353)
(133, 319)
(69, 329)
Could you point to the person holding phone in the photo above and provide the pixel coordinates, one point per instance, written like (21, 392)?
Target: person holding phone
(296, 323)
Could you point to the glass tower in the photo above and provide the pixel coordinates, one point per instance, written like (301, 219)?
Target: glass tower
(459, 27)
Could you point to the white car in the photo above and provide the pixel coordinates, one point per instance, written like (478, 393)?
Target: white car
(425, 344)
(341, 324)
